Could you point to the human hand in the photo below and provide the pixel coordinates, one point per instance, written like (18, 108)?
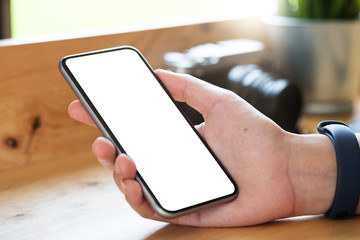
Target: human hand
(258, 154)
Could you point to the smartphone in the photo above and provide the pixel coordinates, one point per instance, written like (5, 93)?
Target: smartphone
(177, 170)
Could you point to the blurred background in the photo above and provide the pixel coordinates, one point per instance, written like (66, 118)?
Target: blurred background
(22, 18)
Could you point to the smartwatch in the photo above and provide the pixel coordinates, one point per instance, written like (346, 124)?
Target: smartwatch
(347, 150)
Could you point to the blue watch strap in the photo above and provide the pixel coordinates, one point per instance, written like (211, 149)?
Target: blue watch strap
(348, 168)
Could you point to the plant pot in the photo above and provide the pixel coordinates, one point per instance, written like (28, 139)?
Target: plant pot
(321, 56)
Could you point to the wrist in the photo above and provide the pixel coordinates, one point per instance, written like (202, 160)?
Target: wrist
(312, 171)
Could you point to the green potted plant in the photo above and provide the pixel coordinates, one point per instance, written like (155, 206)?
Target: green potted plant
(319, 9)
(317, 45)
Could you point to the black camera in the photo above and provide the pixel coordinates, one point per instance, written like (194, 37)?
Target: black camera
(226, 64)
(212, 62)
(275, 97)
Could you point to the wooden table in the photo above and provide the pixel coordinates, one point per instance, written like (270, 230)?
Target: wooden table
(77, 199)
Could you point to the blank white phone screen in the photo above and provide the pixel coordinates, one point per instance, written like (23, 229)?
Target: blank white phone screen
(175, 164)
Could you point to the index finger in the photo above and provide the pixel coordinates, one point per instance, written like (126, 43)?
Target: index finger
(77, 111)
(195, 92)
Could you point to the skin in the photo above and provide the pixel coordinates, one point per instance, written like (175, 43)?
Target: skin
(279, 174)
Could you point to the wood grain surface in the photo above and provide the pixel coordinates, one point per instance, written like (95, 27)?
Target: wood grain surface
(34, 124)
(77, 199)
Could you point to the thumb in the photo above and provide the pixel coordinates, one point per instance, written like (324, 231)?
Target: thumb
(195, 92)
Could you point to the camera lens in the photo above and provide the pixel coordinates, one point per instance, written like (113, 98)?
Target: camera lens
(277, 98)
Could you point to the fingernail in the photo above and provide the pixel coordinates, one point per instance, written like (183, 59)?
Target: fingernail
(117, 170)
(101, 161)
(105, 163)
(123, 186)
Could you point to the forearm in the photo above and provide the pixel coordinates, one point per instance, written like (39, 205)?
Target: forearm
(313, 172)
